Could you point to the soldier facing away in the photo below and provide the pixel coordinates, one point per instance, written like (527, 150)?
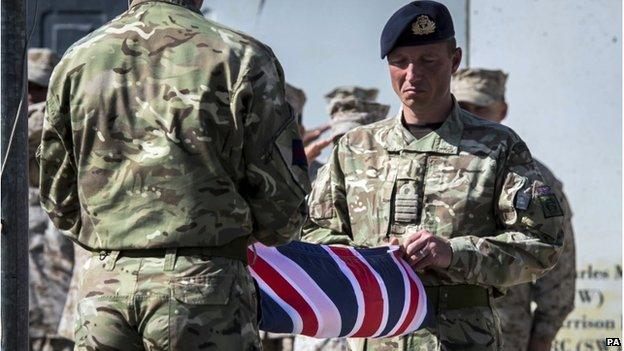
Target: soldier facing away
(168, 147)
(460, 194)
(482, 92)
(50, 256)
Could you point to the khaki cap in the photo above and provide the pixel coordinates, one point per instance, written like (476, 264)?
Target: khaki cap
(296, 98)
(351, 112)
(349, 91)
(479, 86)
(41, 62)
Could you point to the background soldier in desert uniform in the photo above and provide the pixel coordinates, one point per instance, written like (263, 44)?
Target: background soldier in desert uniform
(168, 147)
(461, 194)
(482, 92)
(50, 257)
(349, 108)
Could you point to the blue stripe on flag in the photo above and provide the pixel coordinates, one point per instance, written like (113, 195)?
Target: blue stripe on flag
(274, 318)
(327, 276)
(392, 278)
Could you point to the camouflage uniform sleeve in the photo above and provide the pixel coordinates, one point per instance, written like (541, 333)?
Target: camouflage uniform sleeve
(276, 180)
(530, 239)
(58, 172)
(328, 221)
(554, 293)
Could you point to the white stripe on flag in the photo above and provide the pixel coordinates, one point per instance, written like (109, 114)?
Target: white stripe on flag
(384, 292)
(406, 304)
(294, 315)
(327, 314)
(421, 311)
(357, 289)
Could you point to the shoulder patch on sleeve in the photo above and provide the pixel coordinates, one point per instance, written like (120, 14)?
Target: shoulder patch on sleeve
(523, 200)
(548, 201)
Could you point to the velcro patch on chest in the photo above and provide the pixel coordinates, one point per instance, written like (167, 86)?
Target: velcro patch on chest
(298, 153)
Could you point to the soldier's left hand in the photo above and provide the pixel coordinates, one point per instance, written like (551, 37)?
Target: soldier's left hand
(423, 249)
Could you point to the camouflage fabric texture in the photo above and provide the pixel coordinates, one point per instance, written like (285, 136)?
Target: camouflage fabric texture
(204, 303)
(164, 129)
(67, 323)
(471, 181)
(41, 62)
(36, 114)
(553, 293)
(50, 256)
(50, 262)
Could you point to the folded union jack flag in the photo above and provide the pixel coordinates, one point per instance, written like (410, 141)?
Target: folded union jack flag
(329, 291)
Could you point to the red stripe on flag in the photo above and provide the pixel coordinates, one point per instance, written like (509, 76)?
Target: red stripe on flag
(373, 300)
(287, 293)
(413, 302)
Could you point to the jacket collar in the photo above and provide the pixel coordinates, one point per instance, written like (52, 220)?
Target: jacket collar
(189, 4)
(444, 140)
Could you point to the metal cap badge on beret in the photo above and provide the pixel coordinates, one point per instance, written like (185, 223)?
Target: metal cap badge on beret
(478, 86)
(41, 62)
(417, 23)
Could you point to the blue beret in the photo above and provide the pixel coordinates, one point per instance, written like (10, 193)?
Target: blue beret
(417, 23)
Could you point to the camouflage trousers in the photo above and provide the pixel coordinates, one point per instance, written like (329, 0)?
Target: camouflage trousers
(51, 344)
(166, 303)
(467, 329)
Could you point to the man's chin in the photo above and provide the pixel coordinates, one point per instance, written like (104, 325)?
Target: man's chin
(415, 102)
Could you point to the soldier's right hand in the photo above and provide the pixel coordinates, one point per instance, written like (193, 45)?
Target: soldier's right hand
(314, 134)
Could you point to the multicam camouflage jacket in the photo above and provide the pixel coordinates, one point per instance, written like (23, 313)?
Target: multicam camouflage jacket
(164, 129)
(471, 181)
(553, 293)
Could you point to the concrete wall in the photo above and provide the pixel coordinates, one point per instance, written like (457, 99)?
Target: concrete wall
(564, 60)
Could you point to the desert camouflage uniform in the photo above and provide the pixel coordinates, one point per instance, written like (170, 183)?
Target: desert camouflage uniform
(470, 181)
(167, 147)
(553, 293)
(50, 257)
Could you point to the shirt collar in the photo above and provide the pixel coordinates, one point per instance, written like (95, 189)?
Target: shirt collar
(189, 4)
(444, 140)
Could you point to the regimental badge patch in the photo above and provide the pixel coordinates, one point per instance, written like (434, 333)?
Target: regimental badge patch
(423, 25)
(548, 201)
(298, 153)
(523, 200)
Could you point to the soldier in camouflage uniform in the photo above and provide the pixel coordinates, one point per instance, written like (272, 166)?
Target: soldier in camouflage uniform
(313, 147)
(459, 193)
(349, 107)
(482, 92)
(167, 148)
(50, 256)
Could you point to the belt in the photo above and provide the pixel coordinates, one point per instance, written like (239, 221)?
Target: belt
(236, 249)
(450, 297)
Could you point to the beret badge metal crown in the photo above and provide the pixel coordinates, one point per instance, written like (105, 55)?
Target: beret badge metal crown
(423, 25)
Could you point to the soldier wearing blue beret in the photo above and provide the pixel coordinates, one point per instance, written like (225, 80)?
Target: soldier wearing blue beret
(460, 194)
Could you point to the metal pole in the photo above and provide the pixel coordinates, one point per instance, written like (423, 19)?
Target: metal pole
(14, 183)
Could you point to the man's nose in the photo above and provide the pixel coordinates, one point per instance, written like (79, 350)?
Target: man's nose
(414, 72)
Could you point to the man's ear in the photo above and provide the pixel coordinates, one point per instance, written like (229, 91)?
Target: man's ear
(503, 111)
(456, 59)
